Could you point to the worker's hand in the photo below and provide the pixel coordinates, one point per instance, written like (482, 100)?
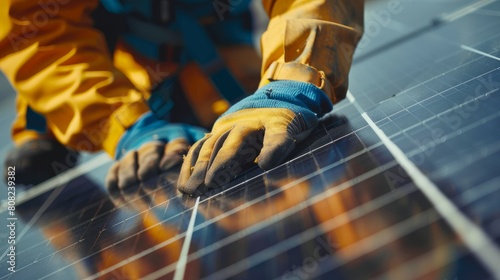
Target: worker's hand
(149, 148)
(262, 128)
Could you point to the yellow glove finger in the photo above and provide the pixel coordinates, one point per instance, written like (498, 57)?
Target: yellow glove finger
(276, 146)
(240, 148)
(141, 165)
(127, 171)
(280, 139)
(196, 163)
(149, 156)
(189, 162)
(195, 184)
(173, 153)
(112, 188)
(111, 180)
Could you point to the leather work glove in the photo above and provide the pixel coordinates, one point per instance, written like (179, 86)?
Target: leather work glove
(262, 128)
(149, 147)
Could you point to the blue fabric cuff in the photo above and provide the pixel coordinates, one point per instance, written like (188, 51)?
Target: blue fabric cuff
(148, 128)
(300, 97)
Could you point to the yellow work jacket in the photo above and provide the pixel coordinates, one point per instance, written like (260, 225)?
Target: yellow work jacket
(60, 65)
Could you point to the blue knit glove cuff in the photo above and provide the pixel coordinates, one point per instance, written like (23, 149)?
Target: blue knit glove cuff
(302, 98)
(148, 128)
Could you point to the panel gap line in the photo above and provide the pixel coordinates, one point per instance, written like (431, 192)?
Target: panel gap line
(350, 97)
(424, 263)
(449, 17)
(471, 49)
(180, 268)
(476, 240)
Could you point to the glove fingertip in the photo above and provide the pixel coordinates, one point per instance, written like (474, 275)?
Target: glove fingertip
(170, 161)
(216, 179)
(195, 183)
(189, 162)
(272, 156)
(111, 180)
(173, 154)
(194, 186)
(184, 174)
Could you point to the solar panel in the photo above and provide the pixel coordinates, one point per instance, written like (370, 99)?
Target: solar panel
(399, 181)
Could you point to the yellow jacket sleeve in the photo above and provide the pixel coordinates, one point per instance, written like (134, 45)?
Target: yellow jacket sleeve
(311, 41)
(60, 64)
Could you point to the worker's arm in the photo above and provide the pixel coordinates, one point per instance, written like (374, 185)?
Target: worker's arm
(306, 37)
(307, 52)
(61, 67)
(60, 64)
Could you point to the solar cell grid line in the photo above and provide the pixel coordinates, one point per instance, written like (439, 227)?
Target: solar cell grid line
(424, 264)
(386, 59)
(437, 21)
(318, 162)
(414, 94)
(482, 190)
(430, 143)
(389, 235)
(436, 116)
(472, 123)
(468, 159)
(467, 48)
(392, 135)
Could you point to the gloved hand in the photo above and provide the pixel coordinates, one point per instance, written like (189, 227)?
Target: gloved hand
(149, 147)
(262, 128)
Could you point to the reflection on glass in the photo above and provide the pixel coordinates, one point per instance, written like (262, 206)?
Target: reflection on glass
(332, 211)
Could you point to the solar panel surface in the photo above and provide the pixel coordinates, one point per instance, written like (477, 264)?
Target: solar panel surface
(398, 182)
